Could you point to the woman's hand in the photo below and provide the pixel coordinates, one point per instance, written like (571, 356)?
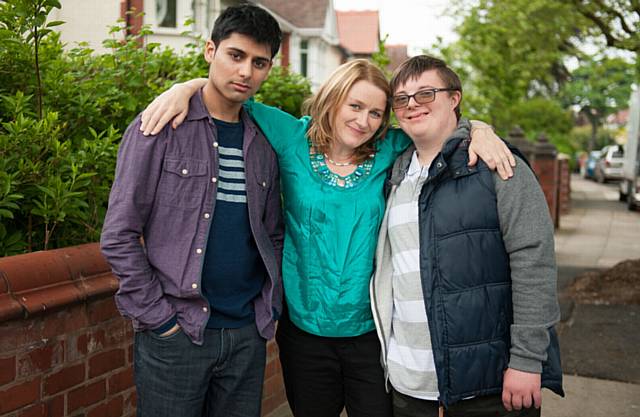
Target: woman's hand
(491, 149)
(172, 104)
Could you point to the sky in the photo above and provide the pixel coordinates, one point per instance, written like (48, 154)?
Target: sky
(416, 23)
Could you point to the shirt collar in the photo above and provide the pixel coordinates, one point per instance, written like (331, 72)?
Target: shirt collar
(415, 168)
(198, 111)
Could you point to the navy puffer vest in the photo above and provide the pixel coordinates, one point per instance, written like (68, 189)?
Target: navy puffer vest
(466, 280)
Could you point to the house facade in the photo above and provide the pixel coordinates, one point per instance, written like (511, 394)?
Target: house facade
(311, 44)
(174, 22)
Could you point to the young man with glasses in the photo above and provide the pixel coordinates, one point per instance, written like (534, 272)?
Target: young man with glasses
(464, 292)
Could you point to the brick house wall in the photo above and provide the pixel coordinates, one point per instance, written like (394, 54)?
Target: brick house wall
(64, 348)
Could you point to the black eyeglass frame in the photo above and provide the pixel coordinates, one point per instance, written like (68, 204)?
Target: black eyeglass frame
(415, 96)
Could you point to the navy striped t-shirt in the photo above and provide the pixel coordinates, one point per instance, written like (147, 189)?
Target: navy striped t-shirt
(233, 272)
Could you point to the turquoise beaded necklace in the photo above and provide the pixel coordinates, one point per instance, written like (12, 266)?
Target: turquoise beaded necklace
(319, 165)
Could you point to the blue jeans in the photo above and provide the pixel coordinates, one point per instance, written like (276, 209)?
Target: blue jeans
(221, 378)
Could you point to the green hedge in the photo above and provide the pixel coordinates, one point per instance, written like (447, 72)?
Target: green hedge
(62, 114)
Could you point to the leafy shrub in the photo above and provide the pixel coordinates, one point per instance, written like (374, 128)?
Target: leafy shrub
(284, 89)
(62, 114)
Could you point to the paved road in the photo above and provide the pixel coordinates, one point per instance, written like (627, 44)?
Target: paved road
(600, 343)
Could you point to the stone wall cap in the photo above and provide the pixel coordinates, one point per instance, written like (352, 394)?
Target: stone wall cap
(37, 282)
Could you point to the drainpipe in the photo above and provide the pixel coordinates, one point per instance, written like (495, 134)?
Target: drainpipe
(133, 22)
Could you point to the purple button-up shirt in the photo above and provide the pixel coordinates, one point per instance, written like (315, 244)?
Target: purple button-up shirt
(164, 192)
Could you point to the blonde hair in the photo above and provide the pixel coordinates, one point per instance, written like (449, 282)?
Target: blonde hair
(324, 105)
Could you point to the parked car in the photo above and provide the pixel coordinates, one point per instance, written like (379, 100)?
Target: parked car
(589, 166)
(609, 166)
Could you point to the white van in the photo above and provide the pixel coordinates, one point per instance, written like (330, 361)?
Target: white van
(630, 185)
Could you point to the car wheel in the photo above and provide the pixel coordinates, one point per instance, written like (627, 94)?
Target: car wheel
(631, 201)
(622, 196)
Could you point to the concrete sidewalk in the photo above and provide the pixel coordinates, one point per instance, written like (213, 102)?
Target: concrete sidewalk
(599, 343)
(599, 232)
(589, 397)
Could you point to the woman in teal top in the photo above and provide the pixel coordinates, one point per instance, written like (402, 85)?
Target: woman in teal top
(333, 166)
(331, 228)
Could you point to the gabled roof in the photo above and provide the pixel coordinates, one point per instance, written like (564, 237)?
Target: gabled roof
(359, 31)
(306, 14)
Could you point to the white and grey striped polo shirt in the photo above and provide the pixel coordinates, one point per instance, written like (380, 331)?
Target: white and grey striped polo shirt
(410, 359)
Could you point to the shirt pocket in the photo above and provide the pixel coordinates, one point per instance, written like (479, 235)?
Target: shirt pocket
(183, 182)
(262, 185)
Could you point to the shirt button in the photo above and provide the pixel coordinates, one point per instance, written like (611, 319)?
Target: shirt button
(185, 171)
(214, 179)
(439, 164)
(194, 285)
(205, 309)
(215, 144)
(198, 251)
(207, 215)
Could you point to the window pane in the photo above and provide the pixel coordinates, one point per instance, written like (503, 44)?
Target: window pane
(304, 44)
(303, 64)
(166, 13)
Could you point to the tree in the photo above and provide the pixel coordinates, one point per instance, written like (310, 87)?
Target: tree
(514, 50)
(599, 87)
(23, 28)
(542, 115)
(618, 21)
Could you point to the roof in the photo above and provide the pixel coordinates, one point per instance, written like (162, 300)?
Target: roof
(309, 15)
(359, 31)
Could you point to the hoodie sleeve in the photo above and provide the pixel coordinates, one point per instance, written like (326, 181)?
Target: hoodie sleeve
(527, 231)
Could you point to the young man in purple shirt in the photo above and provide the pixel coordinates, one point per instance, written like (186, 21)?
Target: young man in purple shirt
(194, 234)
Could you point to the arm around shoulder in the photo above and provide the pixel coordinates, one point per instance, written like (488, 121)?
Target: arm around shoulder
(279, 127)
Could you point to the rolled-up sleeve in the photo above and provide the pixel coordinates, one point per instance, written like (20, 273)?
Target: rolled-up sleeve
(140, 295)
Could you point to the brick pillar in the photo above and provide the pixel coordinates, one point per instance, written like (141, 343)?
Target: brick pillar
(564, 190)
(132, 13)
(545, 166)
(286, 58)
(516, 138)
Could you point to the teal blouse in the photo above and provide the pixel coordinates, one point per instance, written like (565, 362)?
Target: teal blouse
(330, 231)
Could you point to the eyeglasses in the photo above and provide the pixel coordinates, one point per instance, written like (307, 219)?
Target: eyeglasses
(421, 97)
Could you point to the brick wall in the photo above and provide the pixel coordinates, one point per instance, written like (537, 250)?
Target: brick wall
(64, 349)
